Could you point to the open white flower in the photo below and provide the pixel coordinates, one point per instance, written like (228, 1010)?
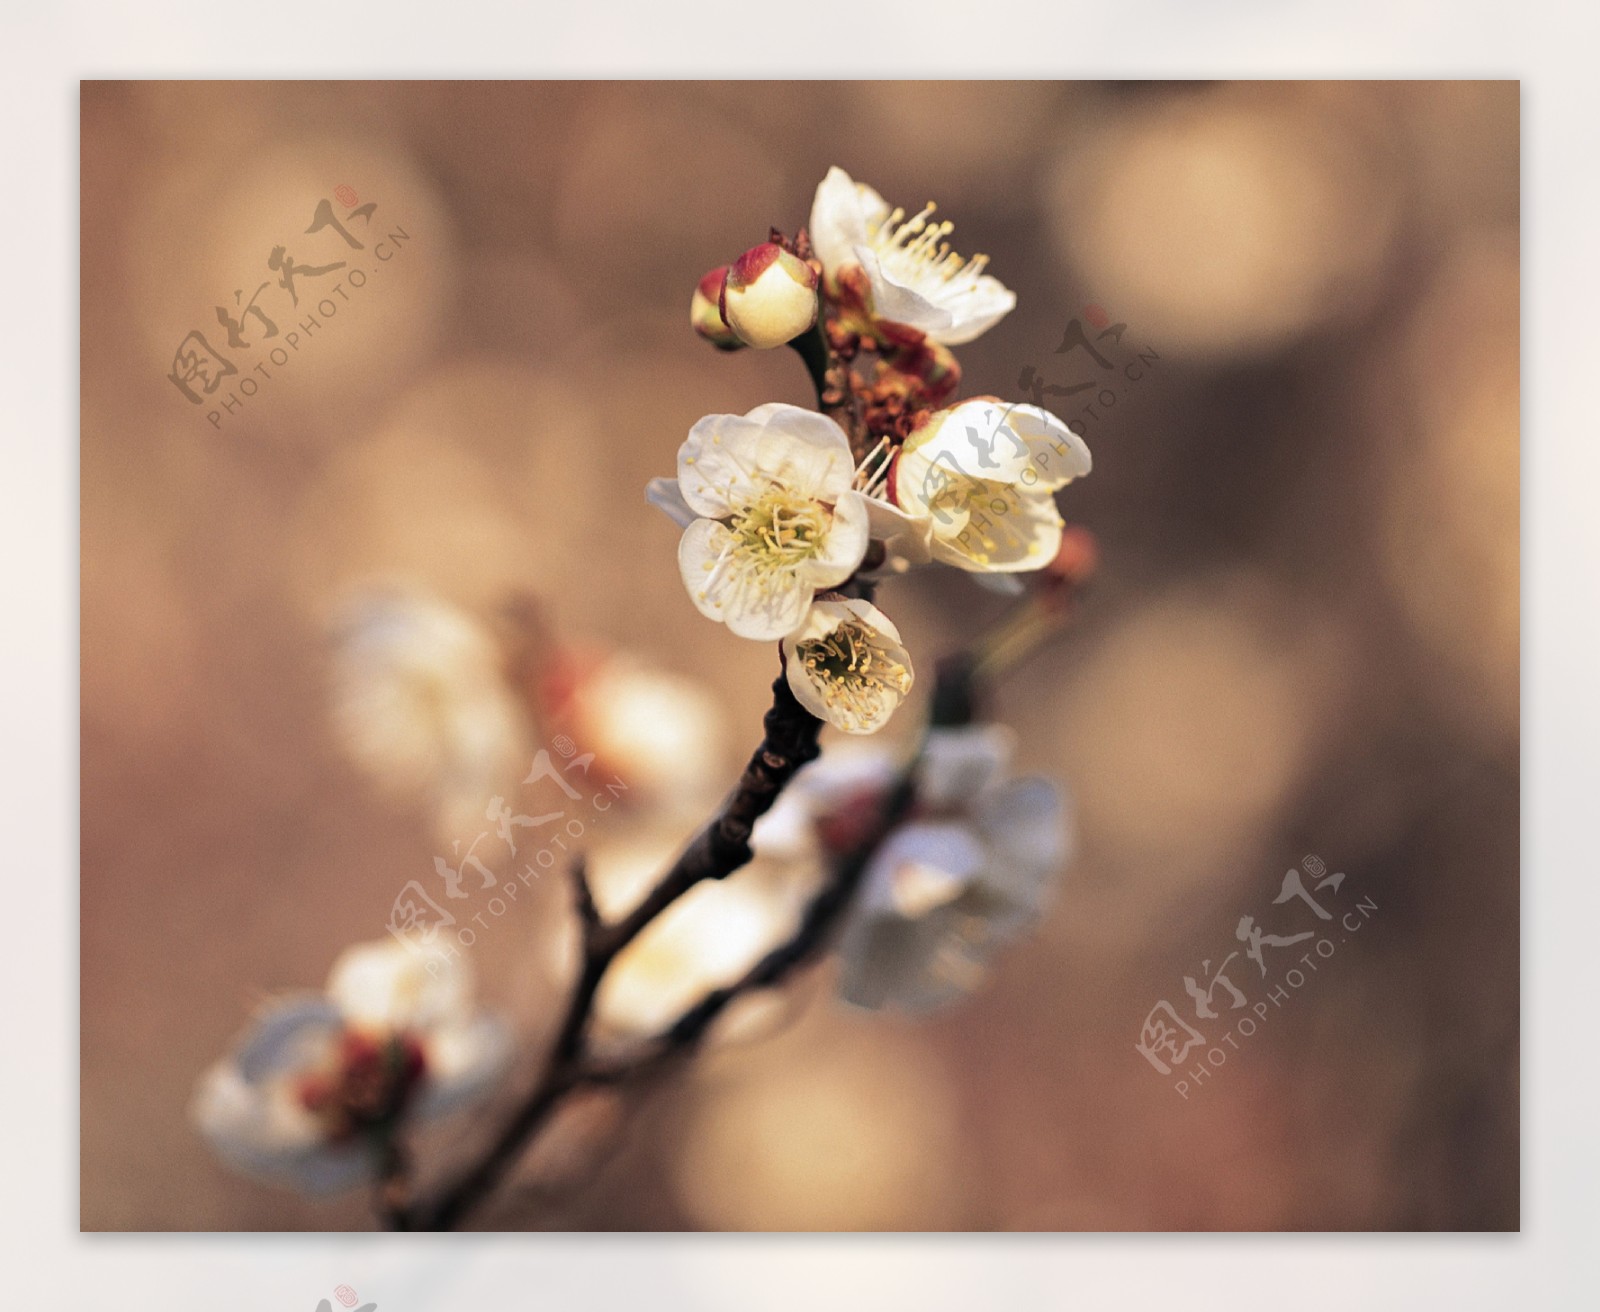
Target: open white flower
(318, 1080)
(983, 475)
(914, 276)
(775, 516)
(846, 665)
(420, 701)
(964, 876)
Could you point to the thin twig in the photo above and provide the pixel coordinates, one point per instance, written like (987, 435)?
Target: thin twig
(719, 849)
(821, 913)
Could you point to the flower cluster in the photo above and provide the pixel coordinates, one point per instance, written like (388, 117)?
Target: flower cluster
(319, 1083)
(437, 704)
(791, 516)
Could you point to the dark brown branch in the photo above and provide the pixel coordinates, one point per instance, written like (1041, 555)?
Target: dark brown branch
(391, 1189)
(589, 922)
(811, 935)
(723, 846)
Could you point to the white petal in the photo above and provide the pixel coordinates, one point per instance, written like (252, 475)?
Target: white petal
(1009, 531)
(800, 684)
(767, 609)
(974, 439)
(920, 488)
(844, 772)
(803, 450)
(873, 617)
(386, 985)
(729, 460)
(975, 310)
(664, 494)
(1027, 827)
(880, 956)
(331, 1169)
(716, 465)
(921, 866)
(1058, 455)
(661, 732)
(874, 209)
(700, 551)
(287, 1034)
(463, 1063)
(906, 537)
(419, 698)
(262, 1131)
(957, 763)
(786, 831)
(843, 546)
(917, 966)
(894, 301)
(1002, 585)
(838, 220)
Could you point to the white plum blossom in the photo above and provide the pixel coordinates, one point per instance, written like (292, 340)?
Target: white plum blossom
(421, 702)
(846, 664)
(317, 1080)
(982, 476)
(965, 873)
(914, 276)
(776, 518)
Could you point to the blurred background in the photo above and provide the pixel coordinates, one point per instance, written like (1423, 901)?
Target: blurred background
(1303, 639)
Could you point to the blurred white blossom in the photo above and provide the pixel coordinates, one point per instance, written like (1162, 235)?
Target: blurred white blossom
(965, 873)
(318, 1080)
(421, 702)
(661, 734)
(914, 277)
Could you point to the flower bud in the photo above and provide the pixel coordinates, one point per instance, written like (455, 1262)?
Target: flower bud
(705, 314)
(770, 296)
(1076, 562)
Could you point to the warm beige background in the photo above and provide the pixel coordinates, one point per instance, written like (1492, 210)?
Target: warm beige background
(1304, 638)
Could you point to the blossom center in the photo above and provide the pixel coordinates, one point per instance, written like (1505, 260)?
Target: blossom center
(854, 672)
(367, 1082)
(978, 518)
(780, 529)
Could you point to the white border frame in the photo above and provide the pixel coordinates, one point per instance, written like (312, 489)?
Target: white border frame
(1548, 45)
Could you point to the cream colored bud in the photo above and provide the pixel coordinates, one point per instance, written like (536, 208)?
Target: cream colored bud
(770, 296)
(705, 312)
